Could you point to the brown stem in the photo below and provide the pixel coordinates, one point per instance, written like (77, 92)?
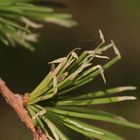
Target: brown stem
(16, 101)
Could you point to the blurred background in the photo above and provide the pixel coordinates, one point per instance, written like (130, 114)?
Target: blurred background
(23, 70)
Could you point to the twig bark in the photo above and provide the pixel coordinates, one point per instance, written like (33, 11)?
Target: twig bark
(16, 101)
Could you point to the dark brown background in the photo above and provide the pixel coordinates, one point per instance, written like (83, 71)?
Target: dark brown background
(23, 70)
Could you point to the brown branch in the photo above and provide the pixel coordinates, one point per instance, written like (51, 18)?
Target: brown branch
(16, 101)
